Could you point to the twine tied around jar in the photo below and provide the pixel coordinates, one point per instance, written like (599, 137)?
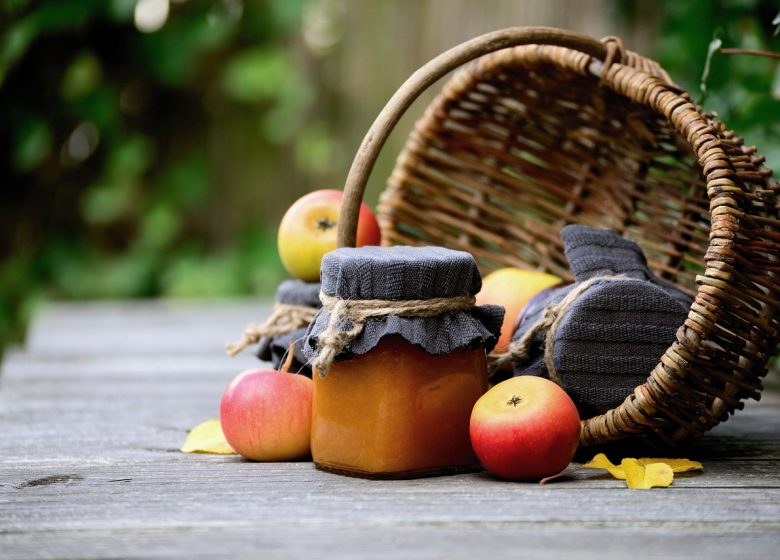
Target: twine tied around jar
(551, 318)
(284, 319)
(333, 340)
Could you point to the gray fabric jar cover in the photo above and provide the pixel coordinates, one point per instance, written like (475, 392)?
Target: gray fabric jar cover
(615, 332)
(274, 349)
(407, 273)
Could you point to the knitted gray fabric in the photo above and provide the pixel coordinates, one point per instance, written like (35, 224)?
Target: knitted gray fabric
(615, 332)
(298, 292)
(598, 252)
(274, 349)
(407, 273)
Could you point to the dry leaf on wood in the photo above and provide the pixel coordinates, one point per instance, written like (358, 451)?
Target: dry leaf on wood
(207, 437)
(642, 477)
(642, 473)
(600, 461)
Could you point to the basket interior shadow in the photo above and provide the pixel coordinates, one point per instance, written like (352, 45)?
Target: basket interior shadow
(540, 128)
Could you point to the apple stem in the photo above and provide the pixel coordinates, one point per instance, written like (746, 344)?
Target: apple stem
(564, 472)
(514, 401)
(288, 360)
(325, 224)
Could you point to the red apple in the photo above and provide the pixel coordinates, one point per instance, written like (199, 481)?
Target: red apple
(525, 428)
(512, 288)
(308, 231)
(266, 415)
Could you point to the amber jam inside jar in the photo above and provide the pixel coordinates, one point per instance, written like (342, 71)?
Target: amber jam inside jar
(398, 359)
(397, 411)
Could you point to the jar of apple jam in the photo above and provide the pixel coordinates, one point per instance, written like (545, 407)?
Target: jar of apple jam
(398, 352)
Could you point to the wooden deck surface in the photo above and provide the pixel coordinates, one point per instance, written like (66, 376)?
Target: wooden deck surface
(95, 406)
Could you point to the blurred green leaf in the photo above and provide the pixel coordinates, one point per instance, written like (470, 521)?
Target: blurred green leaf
(190, 275)
(317, 151)
(105, 203)
(159, 228)
(52, 15)
(186, 182)
(121, 10)
(14, 42)
(131, 158)
(256, 74)
(252, 266)
(260, 261)
(82, 76)
(287, 13)
(174, 55)
(33, 145)
(121, 276)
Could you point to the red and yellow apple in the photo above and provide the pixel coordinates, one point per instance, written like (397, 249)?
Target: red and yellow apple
(525, 428)
(308, 231)
(266, 415)
(512, 288)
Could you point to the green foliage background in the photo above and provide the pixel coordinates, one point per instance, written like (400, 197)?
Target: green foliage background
(158, 164)
(143, 165)
(743, 90)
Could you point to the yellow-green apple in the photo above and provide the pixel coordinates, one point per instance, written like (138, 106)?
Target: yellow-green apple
(512, 288)
(525, 428)
(308, 231)
(266, 415)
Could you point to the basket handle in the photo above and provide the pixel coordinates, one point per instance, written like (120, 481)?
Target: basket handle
(418, 82)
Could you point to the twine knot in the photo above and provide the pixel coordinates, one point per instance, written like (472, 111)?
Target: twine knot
(551, 318)
(355, 312)
(284, 319)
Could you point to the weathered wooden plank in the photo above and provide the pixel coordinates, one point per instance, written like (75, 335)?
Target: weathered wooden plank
(144, 327)
(97, 315)
(170, 404)
(409, 539)
(101, 419)
(145, 408)
(152, 465)
(29, 367)
(236, 491)
(89, 468)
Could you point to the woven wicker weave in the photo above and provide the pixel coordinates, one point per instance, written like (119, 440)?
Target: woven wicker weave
(546, 128)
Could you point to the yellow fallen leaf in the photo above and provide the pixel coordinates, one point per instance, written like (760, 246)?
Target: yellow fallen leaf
(207, 437)
(642, 477)
(600, 461)
(677, 465)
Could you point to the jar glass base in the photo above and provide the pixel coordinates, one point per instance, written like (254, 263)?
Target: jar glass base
(394, 475)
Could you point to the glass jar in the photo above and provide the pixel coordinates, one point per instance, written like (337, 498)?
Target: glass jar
(398, 411)
(396, 402)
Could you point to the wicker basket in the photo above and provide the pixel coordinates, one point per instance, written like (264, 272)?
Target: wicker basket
(543, 128)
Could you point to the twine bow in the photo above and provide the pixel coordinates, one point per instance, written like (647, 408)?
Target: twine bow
(551, 318)
(332, 340)
(284, 319)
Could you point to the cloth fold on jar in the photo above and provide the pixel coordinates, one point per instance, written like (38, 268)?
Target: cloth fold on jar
(402, 273)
